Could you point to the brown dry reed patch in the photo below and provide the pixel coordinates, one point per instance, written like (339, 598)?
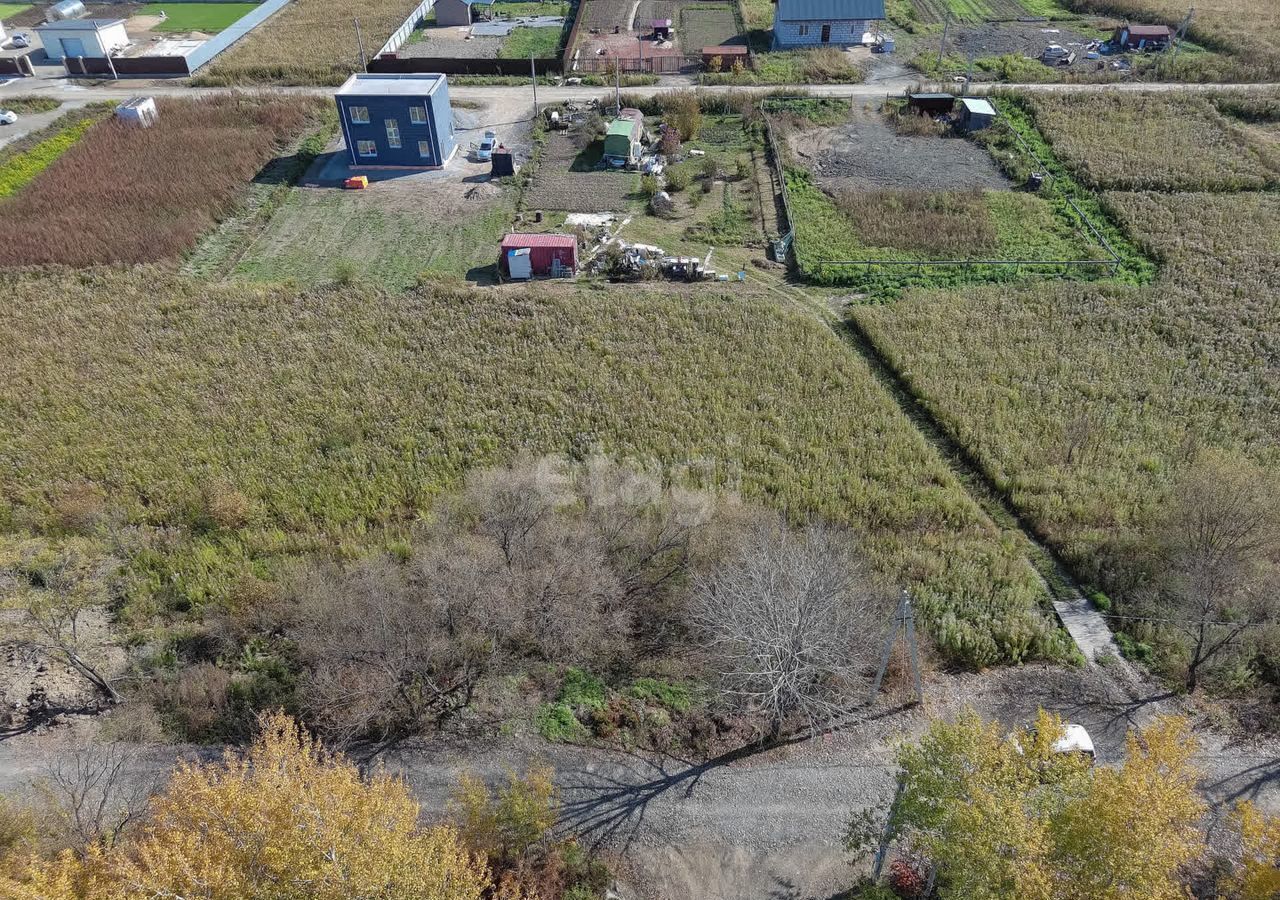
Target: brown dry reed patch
(133, 195)
(950, 224)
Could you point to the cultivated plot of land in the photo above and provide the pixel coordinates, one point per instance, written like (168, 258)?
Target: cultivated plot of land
(619, 29)
(707, 25)
(209, 18)
(565, 180)
(130, 194)
(972, 10)
(1152, 142)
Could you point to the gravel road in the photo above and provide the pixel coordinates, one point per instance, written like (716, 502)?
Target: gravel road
(769, 824)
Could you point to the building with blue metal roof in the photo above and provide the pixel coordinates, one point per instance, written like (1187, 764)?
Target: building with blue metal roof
(396, 121)
(814, 23)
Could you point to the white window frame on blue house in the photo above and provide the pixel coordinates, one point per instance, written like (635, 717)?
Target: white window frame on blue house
(418, 115)
(393, 133)
(424, 149)
(358, 115)
(367, 148)
(803, 31)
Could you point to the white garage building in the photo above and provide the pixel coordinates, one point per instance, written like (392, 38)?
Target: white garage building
(90, 38)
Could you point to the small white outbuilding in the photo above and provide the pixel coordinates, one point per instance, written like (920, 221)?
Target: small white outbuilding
(138, 111)
(88, 38)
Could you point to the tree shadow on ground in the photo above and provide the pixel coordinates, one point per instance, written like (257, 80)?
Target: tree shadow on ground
(1246, 785)
(48, 716)
(600, 808)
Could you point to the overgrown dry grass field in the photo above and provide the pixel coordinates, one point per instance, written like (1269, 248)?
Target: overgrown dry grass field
(1084, 402)
(333, 418)
(309, 42)
(1154, 142)
(134, 195)
(1246, 31)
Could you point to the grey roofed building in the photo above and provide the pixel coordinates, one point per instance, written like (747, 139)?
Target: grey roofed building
(813, 23)
(456, 12)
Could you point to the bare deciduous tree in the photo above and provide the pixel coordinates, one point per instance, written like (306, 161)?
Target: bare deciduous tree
(382, 659)
(95, 792)
(794, 620)
(1219, 547)
(585, 566)
(56, 602)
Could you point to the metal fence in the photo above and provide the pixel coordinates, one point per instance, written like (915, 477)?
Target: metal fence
(633, 65)
(401, 34)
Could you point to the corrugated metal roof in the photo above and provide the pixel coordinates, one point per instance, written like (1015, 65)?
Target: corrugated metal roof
(829, 10)
(516, 241)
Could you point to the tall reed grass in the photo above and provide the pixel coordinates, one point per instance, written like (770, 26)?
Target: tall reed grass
(123, 194)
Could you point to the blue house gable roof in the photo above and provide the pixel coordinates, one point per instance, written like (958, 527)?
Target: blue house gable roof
(828, 10)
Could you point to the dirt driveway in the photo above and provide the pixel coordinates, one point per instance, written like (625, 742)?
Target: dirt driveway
(866, 153)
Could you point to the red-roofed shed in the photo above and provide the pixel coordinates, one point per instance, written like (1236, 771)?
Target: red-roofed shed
(1138, 37)
(527, 255)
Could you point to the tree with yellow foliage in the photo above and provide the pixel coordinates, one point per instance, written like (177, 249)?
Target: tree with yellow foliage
(1007, 816)
(1259, 875)
(287, 820)
(1134, 827)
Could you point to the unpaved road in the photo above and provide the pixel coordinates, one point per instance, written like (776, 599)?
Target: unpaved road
(770, 824)
(29, 122)
(65, 89)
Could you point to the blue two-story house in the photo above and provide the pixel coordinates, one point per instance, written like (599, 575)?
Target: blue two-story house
(396, 121)
(815, 23)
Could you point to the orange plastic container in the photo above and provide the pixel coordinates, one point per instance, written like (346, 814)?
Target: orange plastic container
(357, 182)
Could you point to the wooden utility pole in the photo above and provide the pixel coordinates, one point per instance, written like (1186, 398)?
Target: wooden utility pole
(904, 622)
(364, 63)
(1182, 32)
(942, 47)
(533, 72)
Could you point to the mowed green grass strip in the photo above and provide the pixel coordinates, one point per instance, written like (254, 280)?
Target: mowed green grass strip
(12, 9)
(341, 412)
(193, 16)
